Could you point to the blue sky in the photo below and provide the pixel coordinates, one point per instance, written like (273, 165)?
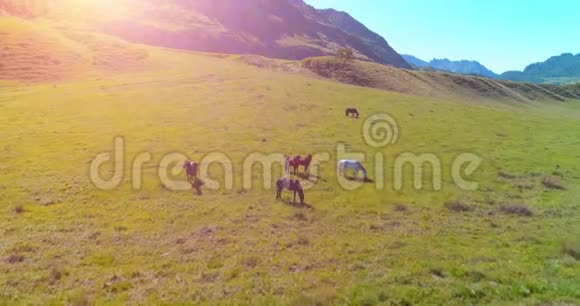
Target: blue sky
(501, 34)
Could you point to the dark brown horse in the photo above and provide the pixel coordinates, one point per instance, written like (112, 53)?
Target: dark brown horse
(291, 185)
(351, 112)
(191, 170)
(297, 161)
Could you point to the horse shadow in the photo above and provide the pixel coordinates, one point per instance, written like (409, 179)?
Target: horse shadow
(358, 179)
(296, 204)
(309, 177)
(196, 186)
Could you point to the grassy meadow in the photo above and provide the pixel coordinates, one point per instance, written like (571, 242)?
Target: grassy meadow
(514, 240)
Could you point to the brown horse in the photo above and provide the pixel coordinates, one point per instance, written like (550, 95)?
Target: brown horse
(291, 185)
(297, 161)
(351, 112)
(191, 170)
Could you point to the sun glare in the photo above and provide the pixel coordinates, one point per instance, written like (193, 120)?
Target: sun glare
(91, 8)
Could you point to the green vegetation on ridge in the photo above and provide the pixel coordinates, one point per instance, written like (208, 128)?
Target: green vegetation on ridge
(63, 241)
(436, 84)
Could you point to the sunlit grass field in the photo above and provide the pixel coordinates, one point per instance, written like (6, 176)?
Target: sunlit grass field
(64, 241)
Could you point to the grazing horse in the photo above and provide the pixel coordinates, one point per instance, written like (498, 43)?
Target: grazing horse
(353, 165)
(191, 170)
(291, 185)
(297, 161)
(351, 112)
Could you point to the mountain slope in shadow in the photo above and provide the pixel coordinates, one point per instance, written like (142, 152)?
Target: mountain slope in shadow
(288, 29)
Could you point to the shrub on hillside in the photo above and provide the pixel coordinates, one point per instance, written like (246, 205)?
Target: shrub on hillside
(458, 206)
(572, 249)
(15, 258)
(401, 207)
(19, 209)
(345, 54)
(553, 183)
(516, 209)
(349, 72)
(506, 175)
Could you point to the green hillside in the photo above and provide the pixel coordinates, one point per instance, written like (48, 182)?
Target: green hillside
(514, 240)
(437, 84)
(48, 51)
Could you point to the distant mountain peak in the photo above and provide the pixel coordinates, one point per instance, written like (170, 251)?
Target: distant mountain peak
(414, 61)
(378, 44)
(468, 67)
(559, 69)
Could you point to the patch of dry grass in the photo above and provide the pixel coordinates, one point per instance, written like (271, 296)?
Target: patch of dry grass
(458, 206)
(572, 249)
(552, 182)
(427, 83)
(519, 209)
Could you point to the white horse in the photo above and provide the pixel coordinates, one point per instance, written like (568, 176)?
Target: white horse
(353, 165)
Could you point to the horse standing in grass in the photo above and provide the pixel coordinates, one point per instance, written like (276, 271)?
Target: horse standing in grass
(297, 161)
(191, 170)
(291, 185)
(353, 165)
(351, 112)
